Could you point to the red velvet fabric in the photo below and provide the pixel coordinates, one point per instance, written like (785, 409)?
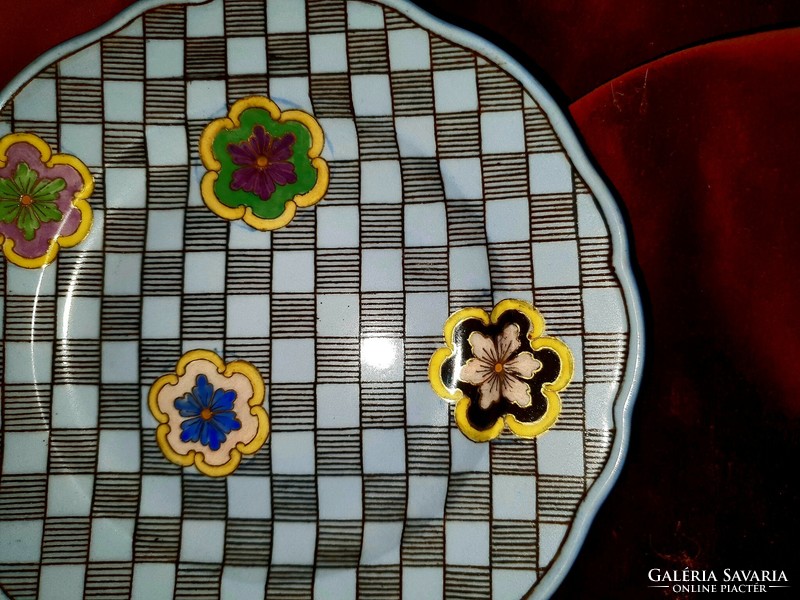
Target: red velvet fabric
(702, 149)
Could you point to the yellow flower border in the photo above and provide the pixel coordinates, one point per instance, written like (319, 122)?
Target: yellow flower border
(79, 201)
(213, 165)
(256, 409)
(537, 341)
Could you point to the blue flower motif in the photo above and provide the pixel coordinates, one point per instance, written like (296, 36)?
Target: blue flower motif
(209, 414)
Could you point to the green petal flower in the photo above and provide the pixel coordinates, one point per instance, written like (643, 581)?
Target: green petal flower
(28, 200)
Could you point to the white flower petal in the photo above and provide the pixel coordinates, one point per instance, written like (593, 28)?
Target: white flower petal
(476, 371)
(516, 391)
(523, 365)
(490, 392)
(508, 341)
(483, 347)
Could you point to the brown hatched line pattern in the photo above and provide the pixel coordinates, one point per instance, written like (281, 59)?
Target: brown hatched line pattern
(65, 540)
(466, 224)
(119, 405)
(289, 582)
(245, 18)
(339, 544)
(197, 581)
(23, 496)
(598, 447)
(291, 406)
(514, 544)
(423, 543)
(367, 51)
(505, 176)
(428, 450)
(344, 183)
(468, 497)
(338, 270)
(572, 408)
(123, 58)
(157, 539)
(379, 582)
(445, 56)
(381, 226)
(20, 323)
(162, 273)
(513, 456)
(108, 580)
(539, 134)
(124, 145)
(164, 102)
(385, 497)
(394, 20)
(242, 86)
(338, 360)
(287, 54)
(412, 93)
(467, 582)
(458, 135)
(376, 138)
(604, 354)
(339, 451)
(120, 318)
(331, 94)
(168, 187)
(382, 314)
(557, 497)
(382, 404)
(595, 261)
(553, 217)
(125, 229)
(293, 315)
(425, 269)
(116, 495)
(81, 100)
(294, 497)
(26, 407)
(76, 361)
(418, 352)
(326, 16)
(205, 58)
(422, 180)
(203, 499)
(497, 90)
(510, 266)
(168, 22)
(248, 542)
(562, 309)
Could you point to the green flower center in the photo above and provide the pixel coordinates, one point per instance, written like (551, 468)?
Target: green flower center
(25, 200)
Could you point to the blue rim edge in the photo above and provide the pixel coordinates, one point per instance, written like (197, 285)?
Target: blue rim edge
(623, 404)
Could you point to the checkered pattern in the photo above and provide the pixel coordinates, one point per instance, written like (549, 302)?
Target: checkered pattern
(365, 488)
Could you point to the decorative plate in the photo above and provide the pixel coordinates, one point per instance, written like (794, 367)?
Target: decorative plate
(302, 299)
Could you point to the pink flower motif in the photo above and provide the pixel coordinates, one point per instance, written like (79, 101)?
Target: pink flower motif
(43, 200)
(263, 161)
(495, 372)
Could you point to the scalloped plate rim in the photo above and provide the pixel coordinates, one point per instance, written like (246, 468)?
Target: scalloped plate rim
(629, 386)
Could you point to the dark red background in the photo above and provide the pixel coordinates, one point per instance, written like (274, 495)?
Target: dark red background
(690, 109)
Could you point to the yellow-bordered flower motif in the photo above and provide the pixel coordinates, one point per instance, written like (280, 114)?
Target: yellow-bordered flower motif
(43, 200)
(500, 369)
(262, 163)
(210, 413)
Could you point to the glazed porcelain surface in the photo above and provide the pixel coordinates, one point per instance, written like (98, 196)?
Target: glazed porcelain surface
(302, 299)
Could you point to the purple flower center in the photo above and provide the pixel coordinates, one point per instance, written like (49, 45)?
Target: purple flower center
(263, 161)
